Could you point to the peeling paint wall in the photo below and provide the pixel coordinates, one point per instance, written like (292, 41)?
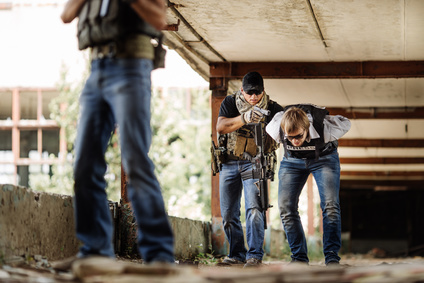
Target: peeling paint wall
(35, 223)
(192, 237)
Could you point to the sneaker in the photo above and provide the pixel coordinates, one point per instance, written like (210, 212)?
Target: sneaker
(95, 265)
(298, 262)
(64, 264)
(333, 263)
(231, 261)
(253, 262)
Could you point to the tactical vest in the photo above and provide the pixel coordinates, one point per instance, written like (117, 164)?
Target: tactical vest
(104, 21)
(243, 140)
(316, 147)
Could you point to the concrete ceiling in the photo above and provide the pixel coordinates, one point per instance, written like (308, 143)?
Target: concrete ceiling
(363, 59)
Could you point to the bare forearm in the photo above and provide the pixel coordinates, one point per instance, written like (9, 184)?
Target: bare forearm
(71, 10)
(227, 125)
(152, 11)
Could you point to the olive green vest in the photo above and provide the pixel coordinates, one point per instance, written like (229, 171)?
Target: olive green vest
(104, 21)
(242, 140)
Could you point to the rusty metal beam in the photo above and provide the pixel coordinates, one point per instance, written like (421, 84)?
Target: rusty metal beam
(310, 195)
(29, 125)
(371, 183)
(6, 6)
(383, 173)
(381, 142)
(219, 91)
(16, 134)
(378, 112)
(172, 27)
(124, 190)
(381, 160)
(320, 70)
(219, 87)
(29, 89)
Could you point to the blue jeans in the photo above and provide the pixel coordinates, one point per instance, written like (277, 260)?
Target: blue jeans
(293, 174)
(118, 91)
(230, 190)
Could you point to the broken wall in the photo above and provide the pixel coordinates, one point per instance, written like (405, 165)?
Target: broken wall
(36, 223)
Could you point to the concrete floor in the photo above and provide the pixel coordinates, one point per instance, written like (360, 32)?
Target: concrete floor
(352, 269)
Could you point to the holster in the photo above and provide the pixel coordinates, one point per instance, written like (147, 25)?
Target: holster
(218, 156)
(160, 52)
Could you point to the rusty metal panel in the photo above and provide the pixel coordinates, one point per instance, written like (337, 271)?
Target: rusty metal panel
(219, 86)
(320, 70)
(381, 142)
(309, 183)
(384, 173)
(124, 192)
(218, 235)
(381, 160)
(378, 112)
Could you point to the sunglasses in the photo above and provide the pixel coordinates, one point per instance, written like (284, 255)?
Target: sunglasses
(298, 137)
(253, 92)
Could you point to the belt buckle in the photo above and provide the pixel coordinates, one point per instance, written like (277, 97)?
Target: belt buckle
(108, 50)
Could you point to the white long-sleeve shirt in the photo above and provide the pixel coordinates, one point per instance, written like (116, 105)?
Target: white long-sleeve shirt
(335, 126)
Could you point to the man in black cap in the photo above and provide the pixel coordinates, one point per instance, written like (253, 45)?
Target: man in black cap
(236, 136)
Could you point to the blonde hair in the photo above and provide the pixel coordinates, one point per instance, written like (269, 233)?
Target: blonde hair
(294, 119)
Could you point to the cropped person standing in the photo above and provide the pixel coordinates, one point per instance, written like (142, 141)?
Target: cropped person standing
(237, 138)
(310, 137)
(118, 90)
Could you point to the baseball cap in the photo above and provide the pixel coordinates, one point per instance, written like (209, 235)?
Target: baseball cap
(253, 83)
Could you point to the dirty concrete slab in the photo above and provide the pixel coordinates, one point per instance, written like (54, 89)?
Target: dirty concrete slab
(405, 270)
(34, 222)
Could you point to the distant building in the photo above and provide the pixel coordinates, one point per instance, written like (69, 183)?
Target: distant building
(30, 142)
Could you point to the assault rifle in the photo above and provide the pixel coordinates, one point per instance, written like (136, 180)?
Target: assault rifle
(261, 164)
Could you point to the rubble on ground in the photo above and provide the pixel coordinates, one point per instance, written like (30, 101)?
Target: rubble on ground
(358, 269)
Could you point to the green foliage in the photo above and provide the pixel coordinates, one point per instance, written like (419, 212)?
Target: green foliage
(181, 122)
(315, 252)
(314, 244)
(65, 111)
(206, 259)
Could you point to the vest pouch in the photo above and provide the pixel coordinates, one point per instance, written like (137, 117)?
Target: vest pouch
(240, 145)
(108, 29)
(244, 144)
(104, 21)
(98, 23)
(251, 147)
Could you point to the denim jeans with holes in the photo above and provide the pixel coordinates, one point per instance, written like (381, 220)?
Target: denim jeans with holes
(118, 91)
(231, 187)
(293, 174)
